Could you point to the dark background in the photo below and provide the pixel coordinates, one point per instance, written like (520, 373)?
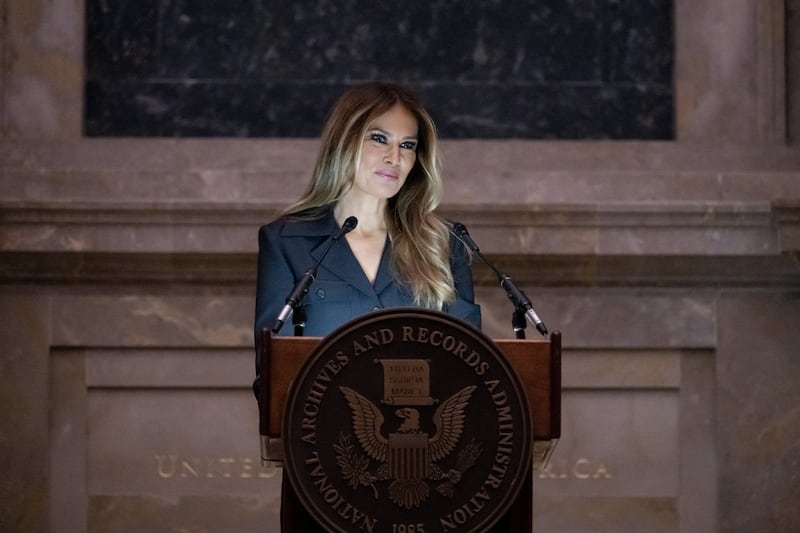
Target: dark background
(535, 69)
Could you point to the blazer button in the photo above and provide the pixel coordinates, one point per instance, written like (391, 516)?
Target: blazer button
(321, 294)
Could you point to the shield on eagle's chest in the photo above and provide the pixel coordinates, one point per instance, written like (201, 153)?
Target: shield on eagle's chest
(408, 456)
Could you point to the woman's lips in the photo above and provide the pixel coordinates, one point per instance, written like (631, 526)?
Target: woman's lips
(386, 174)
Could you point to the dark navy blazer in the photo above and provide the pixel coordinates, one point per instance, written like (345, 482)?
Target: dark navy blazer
(341, 290)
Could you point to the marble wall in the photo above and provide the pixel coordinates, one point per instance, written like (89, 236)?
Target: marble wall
(672, 269)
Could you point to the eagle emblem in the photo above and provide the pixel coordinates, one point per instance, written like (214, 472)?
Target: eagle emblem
(408, 456)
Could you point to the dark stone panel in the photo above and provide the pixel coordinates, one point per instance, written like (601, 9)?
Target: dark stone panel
(638, 43)
(607, 111)
(252, 109)
(208, 109)
(121, 38)
(573, 69)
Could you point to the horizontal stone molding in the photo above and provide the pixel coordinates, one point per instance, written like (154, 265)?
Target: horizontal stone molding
(476, 172)
(288, 154)
(727, 243)
(555, 214)
(704, 228)
(239, 270)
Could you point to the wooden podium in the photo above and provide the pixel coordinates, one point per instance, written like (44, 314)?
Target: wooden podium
(537, 363)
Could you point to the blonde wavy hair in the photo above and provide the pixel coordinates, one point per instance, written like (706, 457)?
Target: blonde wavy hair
(420, 238)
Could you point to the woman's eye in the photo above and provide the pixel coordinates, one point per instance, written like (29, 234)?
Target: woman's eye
(409, 145)
(378, 137)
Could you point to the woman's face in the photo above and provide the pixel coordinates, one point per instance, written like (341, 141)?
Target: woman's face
(388, 153)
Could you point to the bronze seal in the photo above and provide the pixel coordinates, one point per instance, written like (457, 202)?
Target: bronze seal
(407, 421)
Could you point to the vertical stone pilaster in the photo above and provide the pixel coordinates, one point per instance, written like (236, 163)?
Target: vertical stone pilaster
(758, 411)
(770, 82)
(730, 71)
(793, 71)
(43, 69)
(3, 62)
(24, 372)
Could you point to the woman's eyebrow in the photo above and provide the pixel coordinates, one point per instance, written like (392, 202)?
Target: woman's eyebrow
(381, 130)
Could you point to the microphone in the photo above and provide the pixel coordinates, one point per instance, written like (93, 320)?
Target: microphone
(517, 296)
(301, 287)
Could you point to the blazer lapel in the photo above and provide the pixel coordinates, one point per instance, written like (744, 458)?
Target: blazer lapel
(340, 260)
(384, 276)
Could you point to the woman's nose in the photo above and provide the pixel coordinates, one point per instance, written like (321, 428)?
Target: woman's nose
(392, 156)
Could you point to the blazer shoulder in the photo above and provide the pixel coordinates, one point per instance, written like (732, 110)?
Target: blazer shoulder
(298, 227)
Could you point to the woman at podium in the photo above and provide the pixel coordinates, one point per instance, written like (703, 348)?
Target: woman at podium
(364, 235)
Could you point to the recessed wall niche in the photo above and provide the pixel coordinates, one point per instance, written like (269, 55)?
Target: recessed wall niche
(535, 69)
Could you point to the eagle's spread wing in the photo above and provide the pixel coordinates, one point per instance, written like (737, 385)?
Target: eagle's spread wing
(367, 422)
(449, 420)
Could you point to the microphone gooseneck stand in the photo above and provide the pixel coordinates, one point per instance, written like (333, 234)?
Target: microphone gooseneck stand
(299, 320)
(523, 308)
(518, 323)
